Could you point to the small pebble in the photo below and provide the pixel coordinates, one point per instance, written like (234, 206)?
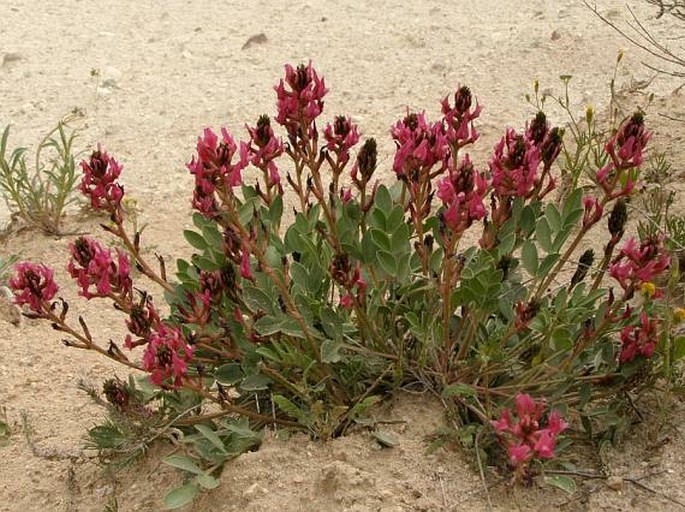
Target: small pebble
(615, 483)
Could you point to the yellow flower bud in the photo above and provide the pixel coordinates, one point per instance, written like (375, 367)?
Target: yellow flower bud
(679, 315)
(648, 289)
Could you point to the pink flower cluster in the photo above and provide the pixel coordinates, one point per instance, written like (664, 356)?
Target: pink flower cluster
(358, 282)
(459, 118)
(420, 146)
(462, 193)
(264, 148)
(167, 356)
(214, 169)
(639, 340)
(340, 137)
(301, 102)
(626, 152)
(514, 166)
(637, 264)
(34, 285)
(523, 435)
(593, 211)
(99, 181)
(142, 321)
(93, 265)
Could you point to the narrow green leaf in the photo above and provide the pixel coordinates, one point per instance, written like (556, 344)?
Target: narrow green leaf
(255, 382)
(211, 436)
(207, 481)
(330, 351)
(383, 199)
(387, 262)
(543, 234)
(195, 239)
(678, 348)
(529, 257)
(459, 390)
(182, 462)
(385, 439)
(181, 496)
(563, 482)
(228, 374)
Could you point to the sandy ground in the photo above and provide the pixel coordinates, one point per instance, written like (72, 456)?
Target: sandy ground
(150, 75)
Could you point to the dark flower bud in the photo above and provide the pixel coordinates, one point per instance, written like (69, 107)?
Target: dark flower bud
(263, 133)
(618, 218)
(462, 100)
(584, 264)
(551, 146)
(117, 393)
(411, 121)
(428, 242)
(366, 159)
(538, 128)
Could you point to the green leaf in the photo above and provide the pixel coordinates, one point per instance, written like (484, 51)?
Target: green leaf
(228, 374)
(380, 239)
(385, 439)
(572, 204)
(211, 436)
(527, 222)
(543, 234)
(553, 217)
(459, 390)
(207, 481)
(300, 275)
(276, 210)
(181, 496)
(331, 323)
(330, 351)
(547, 264)
(387, 262)
(268, 325)
(678, 348)
(182, 462)
(563, 482)
(291, 409)
(257, 299)
(255, 382)
(383, 200)
(529, 257)
(195, 239)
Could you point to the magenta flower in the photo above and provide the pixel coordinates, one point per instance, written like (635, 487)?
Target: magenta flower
(245, 270)
(264, 148)
(99, 181)
(33, 284)
(593, 211)
(347, 301)
(142, 321)
(459, 118)
(167, 356)
(626, 148)
(92, 265)
(639, 340)
(519, 453)
(345, 194)
(301, 102)
(514, 166)
(637, 264)
(419, 146)
(340, 137)
(524, 436)
(462, 193)
(214, 169)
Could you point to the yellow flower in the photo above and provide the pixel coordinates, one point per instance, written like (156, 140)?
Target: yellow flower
(648, 289)
(679, 315)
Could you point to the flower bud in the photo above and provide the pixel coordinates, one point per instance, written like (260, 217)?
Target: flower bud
(538, 128)
(618, 218)
(366, 159)
(551, 146)
(584, 264)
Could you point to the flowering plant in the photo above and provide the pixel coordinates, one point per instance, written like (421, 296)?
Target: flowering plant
(372, 287)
